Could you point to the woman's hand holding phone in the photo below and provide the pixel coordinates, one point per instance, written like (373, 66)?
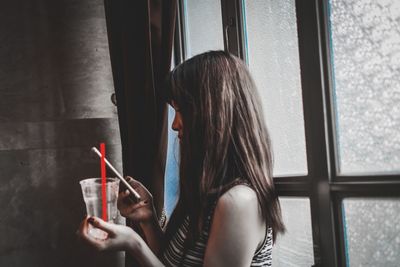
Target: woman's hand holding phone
(138, 212)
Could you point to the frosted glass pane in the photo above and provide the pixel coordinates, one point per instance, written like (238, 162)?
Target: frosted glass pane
(203, 26)
(274, 62)
(366, 53)
(372, 232)
(295, 248)
(172, 167)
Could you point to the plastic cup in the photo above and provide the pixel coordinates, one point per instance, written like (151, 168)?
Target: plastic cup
(92, 195)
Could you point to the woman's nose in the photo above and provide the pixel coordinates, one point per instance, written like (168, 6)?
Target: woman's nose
(175, 124)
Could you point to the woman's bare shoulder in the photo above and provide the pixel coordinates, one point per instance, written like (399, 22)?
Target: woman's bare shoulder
(239, 196)
(240, 203)
(237, 228)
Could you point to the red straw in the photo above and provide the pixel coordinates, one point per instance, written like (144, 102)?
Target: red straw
(103, 180)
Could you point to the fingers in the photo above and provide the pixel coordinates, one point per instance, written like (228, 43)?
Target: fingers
(134, 183)
(124, 200)
(83, 228)
(126, 205)
(83, 234)
(123, 195)
(99, 223)
(131, 208)
(139, 187)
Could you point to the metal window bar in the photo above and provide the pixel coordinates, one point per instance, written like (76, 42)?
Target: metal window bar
(180, 36)
(233, 25)
(316, 117)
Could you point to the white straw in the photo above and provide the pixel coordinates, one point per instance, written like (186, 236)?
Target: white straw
(130, 188)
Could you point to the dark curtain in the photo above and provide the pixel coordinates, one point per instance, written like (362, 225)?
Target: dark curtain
(140, 34)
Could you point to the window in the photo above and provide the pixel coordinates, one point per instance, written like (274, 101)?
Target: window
(366, 64)
(328, 72)
(295, 248)
(172, 167)
(273, 59)
(203, 26)
(372, 236)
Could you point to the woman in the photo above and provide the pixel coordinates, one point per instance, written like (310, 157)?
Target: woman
(228, 212)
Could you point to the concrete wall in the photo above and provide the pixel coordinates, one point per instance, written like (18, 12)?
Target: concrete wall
(55, 87)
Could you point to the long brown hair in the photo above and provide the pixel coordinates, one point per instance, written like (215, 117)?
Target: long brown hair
(224, 137)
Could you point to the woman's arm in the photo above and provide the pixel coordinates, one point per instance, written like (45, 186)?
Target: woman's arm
(154, 235)
(142, 214)
(237, 229)
(144, 255)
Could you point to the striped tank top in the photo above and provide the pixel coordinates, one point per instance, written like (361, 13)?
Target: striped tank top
(174, 254)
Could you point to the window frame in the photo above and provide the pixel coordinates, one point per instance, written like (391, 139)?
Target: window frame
(323, 184)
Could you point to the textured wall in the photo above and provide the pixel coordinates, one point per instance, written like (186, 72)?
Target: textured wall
(55, 87)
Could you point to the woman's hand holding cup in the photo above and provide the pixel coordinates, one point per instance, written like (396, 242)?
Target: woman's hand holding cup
(119, 237)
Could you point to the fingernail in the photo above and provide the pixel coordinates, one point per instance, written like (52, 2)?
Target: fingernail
(127, 191)
(91, 220)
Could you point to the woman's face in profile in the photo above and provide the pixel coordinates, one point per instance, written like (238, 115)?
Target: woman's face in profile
(177, 124)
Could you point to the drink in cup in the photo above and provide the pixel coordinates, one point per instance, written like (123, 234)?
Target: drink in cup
(92, 195)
